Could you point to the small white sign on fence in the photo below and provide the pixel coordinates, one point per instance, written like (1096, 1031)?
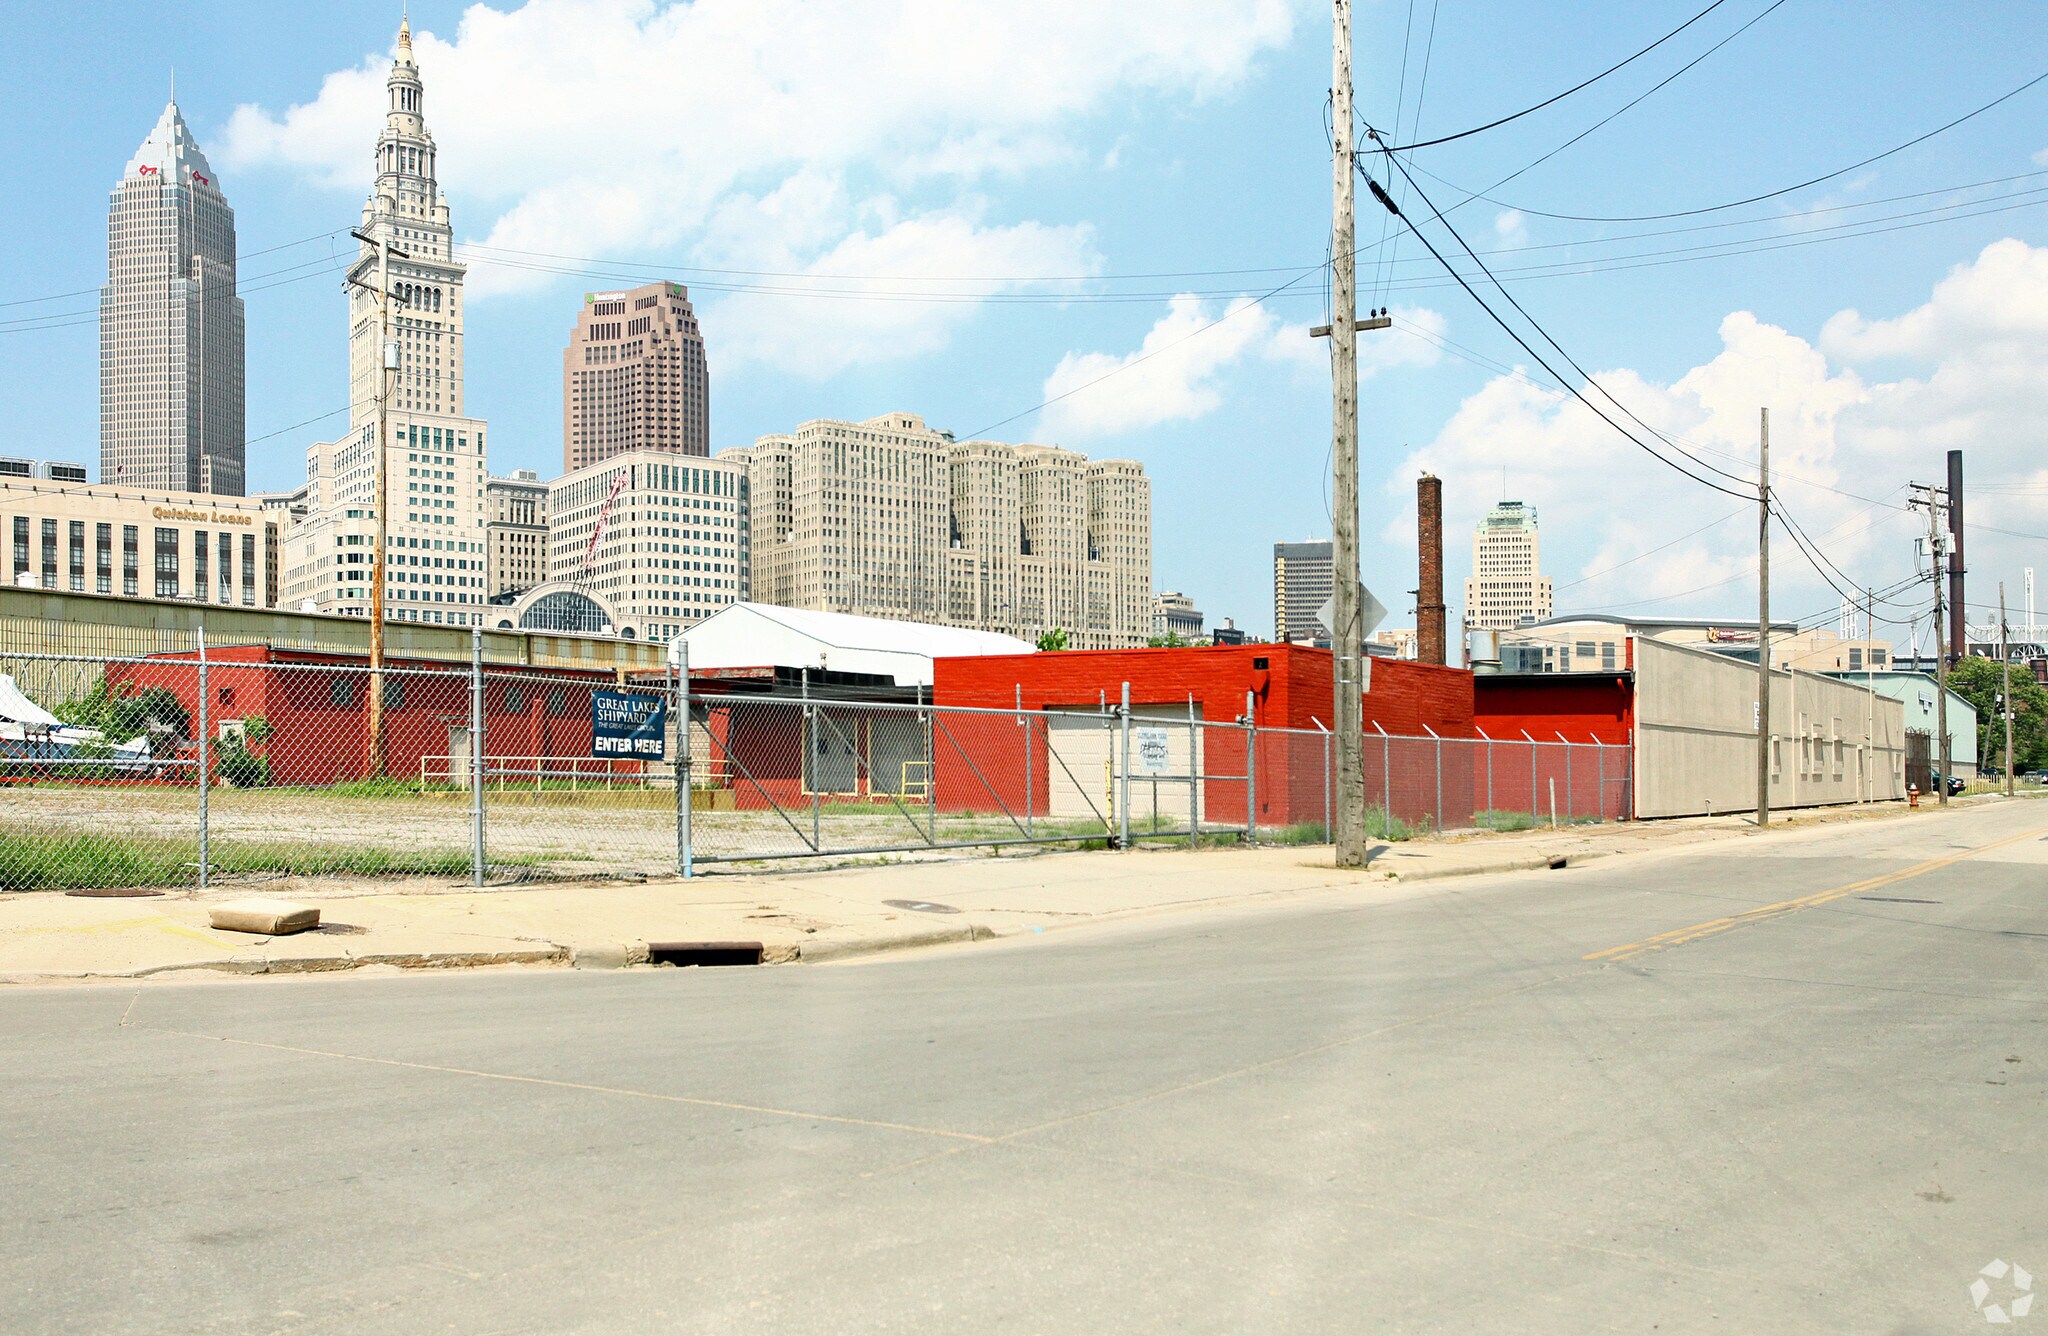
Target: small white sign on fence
(1148, 751)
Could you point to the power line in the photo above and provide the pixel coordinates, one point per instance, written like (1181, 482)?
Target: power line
(1526, 111)
(1623, 408)
(1769, 194)
(1627, 106)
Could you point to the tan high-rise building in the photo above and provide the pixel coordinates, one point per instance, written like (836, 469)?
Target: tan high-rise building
(633, 377)
(890, 518)
(515, 532)
(1508, 588)
(434, 461)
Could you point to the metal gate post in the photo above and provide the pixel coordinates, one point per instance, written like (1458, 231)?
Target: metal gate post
(686, 779)
(1535, 807)
(931, 768)
(1123, 777)
(810, 769)
(205, 759)
(1439, 777)
(476, 755)
(1030, 798)
(1194, 777)
(1251, 772)
(1329, 784)
(1488, 754)
(1567, 775)
(1386, 780)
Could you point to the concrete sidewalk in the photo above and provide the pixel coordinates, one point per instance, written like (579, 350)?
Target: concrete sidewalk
(799, 916)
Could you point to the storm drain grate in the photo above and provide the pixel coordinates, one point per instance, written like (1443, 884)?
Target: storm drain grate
(703, 953)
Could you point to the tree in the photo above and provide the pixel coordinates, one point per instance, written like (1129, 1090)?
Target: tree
(1171, 640)
(1053, 639)
(1979, 681)
(123, 717)
(237, 764)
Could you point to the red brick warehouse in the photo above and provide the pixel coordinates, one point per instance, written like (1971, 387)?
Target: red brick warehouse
(319, 717)
(1289, 687)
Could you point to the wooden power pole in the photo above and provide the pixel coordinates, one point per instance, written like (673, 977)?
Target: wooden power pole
(1933, 498)
(1763, 621)
(386, 370)
(1348, 650)
(2005, 692)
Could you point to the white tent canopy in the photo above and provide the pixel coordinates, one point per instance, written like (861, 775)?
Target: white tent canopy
(16, 708)
(759, 635)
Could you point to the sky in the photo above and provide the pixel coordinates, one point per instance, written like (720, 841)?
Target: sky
(1105, 227)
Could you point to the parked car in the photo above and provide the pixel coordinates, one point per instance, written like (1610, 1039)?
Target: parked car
(1955, 783)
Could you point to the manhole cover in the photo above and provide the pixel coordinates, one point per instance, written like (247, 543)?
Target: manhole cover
(112, 892)
(921, 906)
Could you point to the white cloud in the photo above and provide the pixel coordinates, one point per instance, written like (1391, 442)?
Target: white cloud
(632, 128)
(1980, 382)
(817, 336)
(1511, 227)
(1176, 374)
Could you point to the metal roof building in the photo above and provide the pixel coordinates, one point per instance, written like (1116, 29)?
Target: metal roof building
(758, 638)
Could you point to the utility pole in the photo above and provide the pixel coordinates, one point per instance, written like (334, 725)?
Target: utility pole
(1869, 691)
(1763, 620)
(1348, 708)
(1958, 622)
(1934, 555)
(2005, 662)
(386, 372)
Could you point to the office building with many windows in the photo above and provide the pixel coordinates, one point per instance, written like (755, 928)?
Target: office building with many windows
(891, 518)
(515, 532)
(171, 338)
(1508, 588)
(1303, 581)
(139, 542)
(633, 377)
(661, 540)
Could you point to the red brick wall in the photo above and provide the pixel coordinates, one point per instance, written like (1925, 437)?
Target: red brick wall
(1291, 691)
(1584, 707)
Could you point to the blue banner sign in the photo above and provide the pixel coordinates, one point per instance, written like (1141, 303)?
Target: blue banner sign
(628, 725)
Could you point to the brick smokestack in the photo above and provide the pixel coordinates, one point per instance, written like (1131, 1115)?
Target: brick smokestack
(1429, 593)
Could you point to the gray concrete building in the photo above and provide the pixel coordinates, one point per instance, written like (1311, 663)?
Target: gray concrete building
(515, 532)
(171, 338)
(1174, 613)
(1304, 578)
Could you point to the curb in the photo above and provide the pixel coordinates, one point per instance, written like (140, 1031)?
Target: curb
(430, 960)
(816, 952)
(1553, 862)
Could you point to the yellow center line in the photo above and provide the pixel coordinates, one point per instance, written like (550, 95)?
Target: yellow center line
(1714, 927)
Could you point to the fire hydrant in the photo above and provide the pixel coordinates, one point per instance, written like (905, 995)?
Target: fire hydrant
(1912, 795)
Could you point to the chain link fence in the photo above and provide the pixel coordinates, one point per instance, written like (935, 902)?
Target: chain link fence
(241, 764)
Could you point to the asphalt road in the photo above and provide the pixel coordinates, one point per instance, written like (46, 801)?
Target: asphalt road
(1588, 1100)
